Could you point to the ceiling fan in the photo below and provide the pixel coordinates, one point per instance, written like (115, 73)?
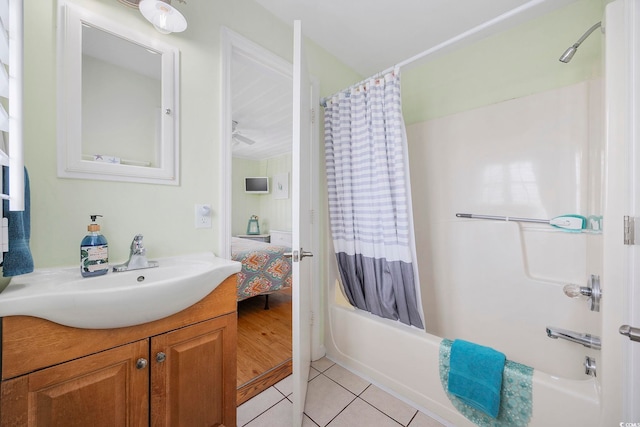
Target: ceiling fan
(237, 137)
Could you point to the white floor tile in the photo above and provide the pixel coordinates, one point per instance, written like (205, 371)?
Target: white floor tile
(347, 379)
(280, 415)
(285, 386)
(313, 373)
(325, 399)
(390, 405)
(422, 420)
(322, 364)
(361, 414)
(257, 405)
(332, 402)
(308, 422)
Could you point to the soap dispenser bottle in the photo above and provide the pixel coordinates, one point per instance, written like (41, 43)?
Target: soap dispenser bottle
(94, 251)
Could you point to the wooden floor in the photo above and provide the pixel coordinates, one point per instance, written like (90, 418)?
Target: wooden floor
(264, 343)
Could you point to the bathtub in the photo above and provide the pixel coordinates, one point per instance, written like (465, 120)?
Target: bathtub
(411, 371)
(497, 284)
(502, 296)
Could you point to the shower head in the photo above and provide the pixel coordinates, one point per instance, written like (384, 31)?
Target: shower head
(568, 54)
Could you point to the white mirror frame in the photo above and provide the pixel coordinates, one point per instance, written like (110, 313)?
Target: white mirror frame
(70, 161)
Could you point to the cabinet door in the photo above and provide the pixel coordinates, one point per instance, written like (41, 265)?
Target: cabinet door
(97, 390)
(193, 375)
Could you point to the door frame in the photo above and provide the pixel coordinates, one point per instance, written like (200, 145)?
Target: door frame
(230, 43)
(318, 350)
(233, 42)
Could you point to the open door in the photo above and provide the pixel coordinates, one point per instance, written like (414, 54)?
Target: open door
(301, 219)
(621, 250)
(625, 15)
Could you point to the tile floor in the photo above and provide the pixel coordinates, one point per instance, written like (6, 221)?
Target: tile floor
(335, 398)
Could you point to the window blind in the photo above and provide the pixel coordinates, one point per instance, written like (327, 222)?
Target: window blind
(11, 95)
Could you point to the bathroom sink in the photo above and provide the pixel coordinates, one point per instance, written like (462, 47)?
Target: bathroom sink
(115, 300)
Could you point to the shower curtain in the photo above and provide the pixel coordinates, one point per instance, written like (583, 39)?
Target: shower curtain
(370, 198)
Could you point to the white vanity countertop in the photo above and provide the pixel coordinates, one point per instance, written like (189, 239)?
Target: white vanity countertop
(114, 300)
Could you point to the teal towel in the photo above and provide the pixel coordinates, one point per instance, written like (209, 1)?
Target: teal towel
(18, 260)
(475, 376)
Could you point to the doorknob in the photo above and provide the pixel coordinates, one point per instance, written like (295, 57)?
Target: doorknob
(631, 332)
(297, 256)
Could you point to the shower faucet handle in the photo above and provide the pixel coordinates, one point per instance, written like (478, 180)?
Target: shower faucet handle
(575, 291)
(592, 291)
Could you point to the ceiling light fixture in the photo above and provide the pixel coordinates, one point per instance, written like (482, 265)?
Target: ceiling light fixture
(164, 17)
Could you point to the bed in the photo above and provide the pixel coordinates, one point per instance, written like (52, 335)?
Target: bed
(265, 269)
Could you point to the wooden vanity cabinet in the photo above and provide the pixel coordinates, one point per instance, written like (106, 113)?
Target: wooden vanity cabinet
(92, 390)
(188, 375)
(177, 371)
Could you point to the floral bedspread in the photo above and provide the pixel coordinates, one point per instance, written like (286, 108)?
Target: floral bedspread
(264, 267)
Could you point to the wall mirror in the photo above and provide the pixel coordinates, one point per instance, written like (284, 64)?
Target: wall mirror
(117, 101)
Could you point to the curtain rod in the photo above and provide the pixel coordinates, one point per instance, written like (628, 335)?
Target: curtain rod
(323, 101)
(473, 31)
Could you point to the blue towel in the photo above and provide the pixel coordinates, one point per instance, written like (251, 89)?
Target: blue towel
(18, 260)
(475, 376)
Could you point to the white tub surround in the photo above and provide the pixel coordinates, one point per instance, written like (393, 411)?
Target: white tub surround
(495, 283)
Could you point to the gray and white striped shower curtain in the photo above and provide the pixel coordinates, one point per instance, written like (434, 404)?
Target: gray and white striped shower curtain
(370, 199)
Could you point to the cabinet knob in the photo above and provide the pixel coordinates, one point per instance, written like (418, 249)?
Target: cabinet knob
(141, 363)
(161, 357)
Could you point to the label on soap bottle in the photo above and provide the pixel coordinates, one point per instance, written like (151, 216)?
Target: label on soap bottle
(94, 258)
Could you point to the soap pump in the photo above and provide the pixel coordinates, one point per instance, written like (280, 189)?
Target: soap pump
(94, 251)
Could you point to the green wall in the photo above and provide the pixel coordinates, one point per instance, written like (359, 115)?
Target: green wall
(511, 64)
(508, 65)
(274, 214)
(60, 208)
(243, 205)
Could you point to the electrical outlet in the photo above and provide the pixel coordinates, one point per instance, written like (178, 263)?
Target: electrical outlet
(203, 216)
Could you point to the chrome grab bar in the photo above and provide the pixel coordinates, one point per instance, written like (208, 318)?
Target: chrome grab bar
(631, 332)
(587, 340)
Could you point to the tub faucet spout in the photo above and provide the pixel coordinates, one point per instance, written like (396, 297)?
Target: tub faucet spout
(587, 340)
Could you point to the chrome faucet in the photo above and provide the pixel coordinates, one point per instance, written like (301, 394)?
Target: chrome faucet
(587, 340)
(137, 257)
